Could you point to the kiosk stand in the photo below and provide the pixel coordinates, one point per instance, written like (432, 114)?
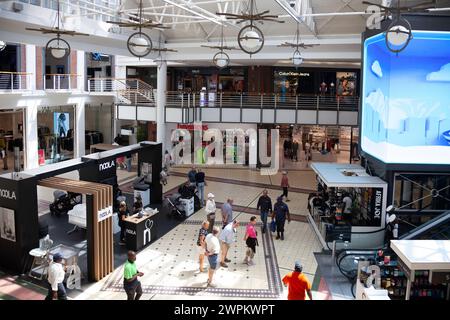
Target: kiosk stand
(426, 265)
(362, 224)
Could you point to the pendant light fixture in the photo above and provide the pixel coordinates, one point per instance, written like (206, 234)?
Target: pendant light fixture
(139, 44)
(398, 34)
(250, 37)
(221, 59)
(297, 58)
(57, 47)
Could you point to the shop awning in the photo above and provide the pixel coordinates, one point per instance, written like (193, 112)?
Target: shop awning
(344, 175)
(423, 254)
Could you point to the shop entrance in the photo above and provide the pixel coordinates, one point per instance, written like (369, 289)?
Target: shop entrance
(96, 220)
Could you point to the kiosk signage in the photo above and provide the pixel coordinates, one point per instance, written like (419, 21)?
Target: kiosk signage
(105, 213)
(376, 206)
(8, 194)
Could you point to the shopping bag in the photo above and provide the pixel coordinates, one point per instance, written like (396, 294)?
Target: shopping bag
(273, 226)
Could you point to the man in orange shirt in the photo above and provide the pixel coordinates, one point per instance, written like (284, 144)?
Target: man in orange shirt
(297, 284)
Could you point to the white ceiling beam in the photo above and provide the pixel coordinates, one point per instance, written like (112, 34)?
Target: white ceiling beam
(214, 20)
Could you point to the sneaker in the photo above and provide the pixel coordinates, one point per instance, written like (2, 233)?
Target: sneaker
(250, 263)
(227, 260)
(282, 237)
(224, 265)
(278, 237)
(210, 284)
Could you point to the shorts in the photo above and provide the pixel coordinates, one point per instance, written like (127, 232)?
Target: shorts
(213, 261)
(201, 250)
(223, 244)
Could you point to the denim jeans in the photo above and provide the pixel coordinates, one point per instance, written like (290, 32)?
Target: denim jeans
(264, 219)
(201, 191)
(61, 292)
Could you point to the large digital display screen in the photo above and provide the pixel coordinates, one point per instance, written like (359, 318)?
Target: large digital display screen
(406, 100)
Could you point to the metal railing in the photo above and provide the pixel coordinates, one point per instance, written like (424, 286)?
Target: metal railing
(129, 91)
(263, 101)
(14, 81)
(61, 82)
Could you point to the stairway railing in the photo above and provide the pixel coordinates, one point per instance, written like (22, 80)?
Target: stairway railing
(129, 91)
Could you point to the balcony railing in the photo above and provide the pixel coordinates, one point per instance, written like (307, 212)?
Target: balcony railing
(261, 101)
(14, 81)
(60, 82)
(129, 91)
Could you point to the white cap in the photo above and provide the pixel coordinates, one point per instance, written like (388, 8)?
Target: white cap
(210, 195)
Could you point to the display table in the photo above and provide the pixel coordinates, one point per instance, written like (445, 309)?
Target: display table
(140, 232)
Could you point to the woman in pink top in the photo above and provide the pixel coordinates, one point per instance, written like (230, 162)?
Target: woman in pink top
(251, 241)
(285, 185)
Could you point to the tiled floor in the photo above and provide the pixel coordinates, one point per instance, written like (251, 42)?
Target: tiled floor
(170, 266)
(170, 263)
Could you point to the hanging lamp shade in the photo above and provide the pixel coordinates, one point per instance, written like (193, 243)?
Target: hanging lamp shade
(139, 44)
(398, 35)
(251, 39)
(58, 48)
(221, 60)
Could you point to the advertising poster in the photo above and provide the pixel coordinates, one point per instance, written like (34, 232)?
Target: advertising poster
(405, 100)
(7, 224)
(346, 83)
(61, 124)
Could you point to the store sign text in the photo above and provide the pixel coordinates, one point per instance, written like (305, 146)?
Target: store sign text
(106, 165)
(132, 232)
(293, 74)
(104, 214)
(378, 198)
(8, 194)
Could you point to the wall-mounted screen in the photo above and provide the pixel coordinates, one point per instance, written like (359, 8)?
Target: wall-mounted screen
(7, 224)
(406, 100)
(61, 123)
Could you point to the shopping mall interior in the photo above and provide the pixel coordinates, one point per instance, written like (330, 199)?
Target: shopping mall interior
(225, 150)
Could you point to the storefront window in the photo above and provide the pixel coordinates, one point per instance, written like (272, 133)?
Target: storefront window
(55, 134)
(98, 125)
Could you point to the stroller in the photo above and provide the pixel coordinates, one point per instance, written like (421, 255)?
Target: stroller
(176, 200)
(64, 202)
(177, 209)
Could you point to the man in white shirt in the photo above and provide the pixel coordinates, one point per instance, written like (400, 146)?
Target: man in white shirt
(210, 209)
(227, 238)
(212, 251)
(348, 202)
(55, 279)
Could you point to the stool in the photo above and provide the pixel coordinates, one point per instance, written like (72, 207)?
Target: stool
(40, 261)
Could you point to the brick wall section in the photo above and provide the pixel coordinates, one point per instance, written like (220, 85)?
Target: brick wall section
(39, 68)
(73, 68)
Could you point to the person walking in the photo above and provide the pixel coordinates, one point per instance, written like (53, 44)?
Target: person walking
(212, 251)
(227, 212)
(122, 215)
(210, 209)
(201, 244)
(295, 151)
(131, 284)
(265, 206)
(251, 240)
(191, 176)
(55, 278)
(200, 182)
(297, 284)
(167, 160)
(227, 238)
(285, 185)
(281, 212)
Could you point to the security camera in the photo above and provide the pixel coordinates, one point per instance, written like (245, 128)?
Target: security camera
(292, 3)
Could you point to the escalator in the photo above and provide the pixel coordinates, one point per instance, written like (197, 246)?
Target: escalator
(437, 228)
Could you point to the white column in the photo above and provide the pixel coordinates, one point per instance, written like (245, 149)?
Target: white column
(30, 66)
(161, 103)
(31, 136)
(81, 70)
(79, 141)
